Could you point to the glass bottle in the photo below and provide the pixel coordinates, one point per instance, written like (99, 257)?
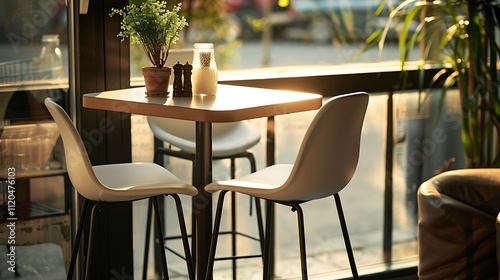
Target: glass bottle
(50, 60)
(204, 76)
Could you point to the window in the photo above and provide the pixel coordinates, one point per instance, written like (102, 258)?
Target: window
(33, 66)
(316, 36)
(288, 33)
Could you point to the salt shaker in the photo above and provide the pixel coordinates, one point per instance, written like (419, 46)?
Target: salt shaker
(204, 76)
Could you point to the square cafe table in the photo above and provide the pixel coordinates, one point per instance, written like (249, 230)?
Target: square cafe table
(232, 103)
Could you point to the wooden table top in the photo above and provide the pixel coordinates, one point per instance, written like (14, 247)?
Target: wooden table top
(232, 103)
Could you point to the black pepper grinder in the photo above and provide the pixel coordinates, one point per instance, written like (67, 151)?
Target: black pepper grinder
(178, 88)
(188, 86)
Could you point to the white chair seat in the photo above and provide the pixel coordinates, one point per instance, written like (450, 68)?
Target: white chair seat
(264, 183)
(227, 138)
(132, 181)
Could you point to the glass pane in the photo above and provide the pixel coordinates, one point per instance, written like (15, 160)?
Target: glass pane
(290, 33)
(33, 40)
(33, 210)
(311, 34)
(33, 66)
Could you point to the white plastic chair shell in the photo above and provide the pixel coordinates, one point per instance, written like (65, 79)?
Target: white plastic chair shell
(326, 161)
(114, 182)
(227, 138)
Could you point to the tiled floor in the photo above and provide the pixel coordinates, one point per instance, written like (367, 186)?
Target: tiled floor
(362, 201)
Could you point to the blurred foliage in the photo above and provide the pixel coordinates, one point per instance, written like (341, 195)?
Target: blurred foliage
(208, 22)
(460, 36)
(152, 25)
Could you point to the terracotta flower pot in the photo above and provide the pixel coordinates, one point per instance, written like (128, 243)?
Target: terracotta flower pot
(156, 80)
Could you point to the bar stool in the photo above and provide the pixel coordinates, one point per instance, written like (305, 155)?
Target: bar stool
(114, 184)
(229, 141)
(325, 164)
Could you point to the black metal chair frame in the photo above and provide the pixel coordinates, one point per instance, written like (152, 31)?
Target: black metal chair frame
(159, 234)
(295, 205)
(162, 151)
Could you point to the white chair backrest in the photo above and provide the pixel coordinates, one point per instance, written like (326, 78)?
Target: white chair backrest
(185, 129)
(78, 164)
(329, 153)
(227, 138)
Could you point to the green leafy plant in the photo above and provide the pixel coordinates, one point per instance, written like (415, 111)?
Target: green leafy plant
(153, 26)
(460, 36)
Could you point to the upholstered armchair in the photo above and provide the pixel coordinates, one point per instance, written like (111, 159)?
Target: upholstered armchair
(459, 226)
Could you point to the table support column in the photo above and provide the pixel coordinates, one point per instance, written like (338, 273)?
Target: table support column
(270, 228)
(202, 203)
(388, 190)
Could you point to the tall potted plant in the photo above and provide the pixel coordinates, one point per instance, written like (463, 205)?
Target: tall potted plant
(461, 37)
(156, 29)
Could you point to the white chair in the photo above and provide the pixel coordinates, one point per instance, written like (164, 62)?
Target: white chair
(325, 164)
(229, 141)
(113, 184)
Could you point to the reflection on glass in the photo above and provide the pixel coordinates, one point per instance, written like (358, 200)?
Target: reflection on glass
(33, 41)
(33, 66)
(301, 33)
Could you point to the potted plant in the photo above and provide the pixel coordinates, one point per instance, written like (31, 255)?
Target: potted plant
(156, 29)
(460, 37)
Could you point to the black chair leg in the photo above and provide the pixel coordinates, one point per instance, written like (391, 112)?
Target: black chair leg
(302, 240)
(193, 213)
(215, 236)
(233, 219)
(78, 238)
(193, 232)
(345, 233)
(146, 244)
(258, 208)
(159, 233)
(260, 222)
(253, 168)
(182, 225)
(233, 232)
(268, 245)
(160, 152)
(158, 159)
(91, 239)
